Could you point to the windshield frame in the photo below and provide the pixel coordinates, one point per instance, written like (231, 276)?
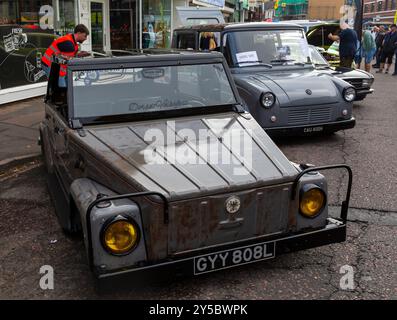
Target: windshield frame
(234, 66)
(325, 64)
(150, 63)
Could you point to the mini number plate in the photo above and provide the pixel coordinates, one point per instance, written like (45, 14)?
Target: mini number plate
(313, 129)
(234, 257)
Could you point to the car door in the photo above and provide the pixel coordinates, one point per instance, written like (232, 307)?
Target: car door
(327, 29)
(58, 143)
(61, 152)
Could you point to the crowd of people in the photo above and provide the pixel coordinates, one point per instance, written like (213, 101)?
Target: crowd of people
(386, 48)
(379, 44)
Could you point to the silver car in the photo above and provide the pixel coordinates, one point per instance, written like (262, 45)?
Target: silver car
(275, 76)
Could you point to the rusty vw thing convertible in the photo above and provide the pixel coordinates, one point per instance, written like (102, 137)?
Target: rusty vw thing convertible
(131, 150)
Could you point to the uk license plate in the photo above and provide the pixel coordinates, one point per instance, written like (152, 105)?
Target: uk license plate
(234, 257)
(313, 129)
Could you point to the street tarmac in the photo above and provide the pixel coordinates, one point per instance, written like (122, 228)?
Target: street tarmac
(31, 237)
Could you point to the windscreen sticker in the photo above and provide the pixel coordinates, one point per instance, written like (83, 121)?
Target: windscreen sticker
(15, 40)
(247, 58)
(90, 77)
(284, 52)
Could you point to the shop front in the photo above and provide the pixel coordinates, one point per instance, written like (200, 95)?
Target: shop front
(27, 28)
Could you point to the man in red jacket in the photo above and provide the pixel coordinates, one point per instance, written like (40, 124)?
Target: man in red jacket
(67, 48)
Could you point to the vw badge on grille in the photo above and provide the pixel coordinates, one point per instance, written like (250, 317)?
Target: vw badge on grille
(232, 204)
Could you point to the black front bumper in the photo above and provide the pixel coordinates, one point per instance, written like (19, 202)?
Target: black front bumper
(312, 129)
(184, 263)
(334, 232)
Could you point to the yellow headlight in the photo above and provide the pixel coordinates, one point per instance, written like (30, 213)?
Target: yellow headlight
(312, 202)
(120, 236)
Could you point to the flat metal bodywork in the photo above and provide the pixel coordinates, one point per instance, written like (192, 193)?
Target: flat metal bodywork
(114, 156)
(173, 176)
(136, 151)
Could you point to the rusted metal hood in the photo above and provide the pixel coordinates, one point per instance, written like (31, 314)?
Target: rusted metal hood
(190, 157)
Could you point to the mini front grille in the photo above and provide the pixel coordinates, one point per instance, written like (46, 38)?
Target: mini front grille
(307, 116)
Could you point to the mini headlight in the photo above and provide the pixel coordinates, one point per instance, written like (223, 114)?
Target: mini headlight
(268, 99)
(349, 94)
(312, 201)
(120, 236)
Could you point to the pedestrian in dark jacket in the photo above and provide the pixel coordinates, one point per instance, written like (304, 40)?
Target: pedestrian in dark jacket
(347, 45)
(389, 48)
(380, 36)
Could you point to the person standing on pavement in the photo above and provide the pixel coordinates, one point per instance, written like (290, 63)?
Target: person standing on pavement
(347, 45)
(66, 47)
(389, 48)
(379, 45)
(368, 49)
(374, 32)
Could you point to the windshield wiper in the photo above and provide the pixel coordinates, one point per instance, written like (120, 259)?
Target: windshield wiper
(258, 63)
(303, 63)
(282, 60)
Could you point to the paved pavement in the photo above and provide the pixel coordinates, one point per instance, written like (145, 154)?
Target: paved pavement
(31, 236)
(19, 123)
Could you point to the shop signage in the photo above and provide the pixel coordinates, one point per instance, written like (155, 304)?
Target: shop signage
(46, 13)
(20, 58)
(217, 3)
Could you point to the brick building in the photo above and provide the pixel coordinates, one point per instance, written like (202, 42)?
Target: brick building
(383, 11)
(325, 9)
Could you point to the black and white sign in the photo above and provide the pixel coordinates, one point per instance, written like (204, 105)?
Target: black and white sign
(234, 257)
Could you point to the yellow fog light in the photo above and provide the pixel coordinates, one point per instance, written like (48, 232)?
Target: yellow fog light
(312, 201)
(120, 236)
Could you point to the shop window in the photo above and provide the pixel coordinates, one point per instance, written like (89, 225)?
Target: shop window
(27, 29)
(123, 25)
(156, 23)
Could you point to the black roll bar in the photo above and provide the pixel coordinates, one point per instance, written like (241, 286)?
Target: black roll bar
(345, 203)
(105, 198)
